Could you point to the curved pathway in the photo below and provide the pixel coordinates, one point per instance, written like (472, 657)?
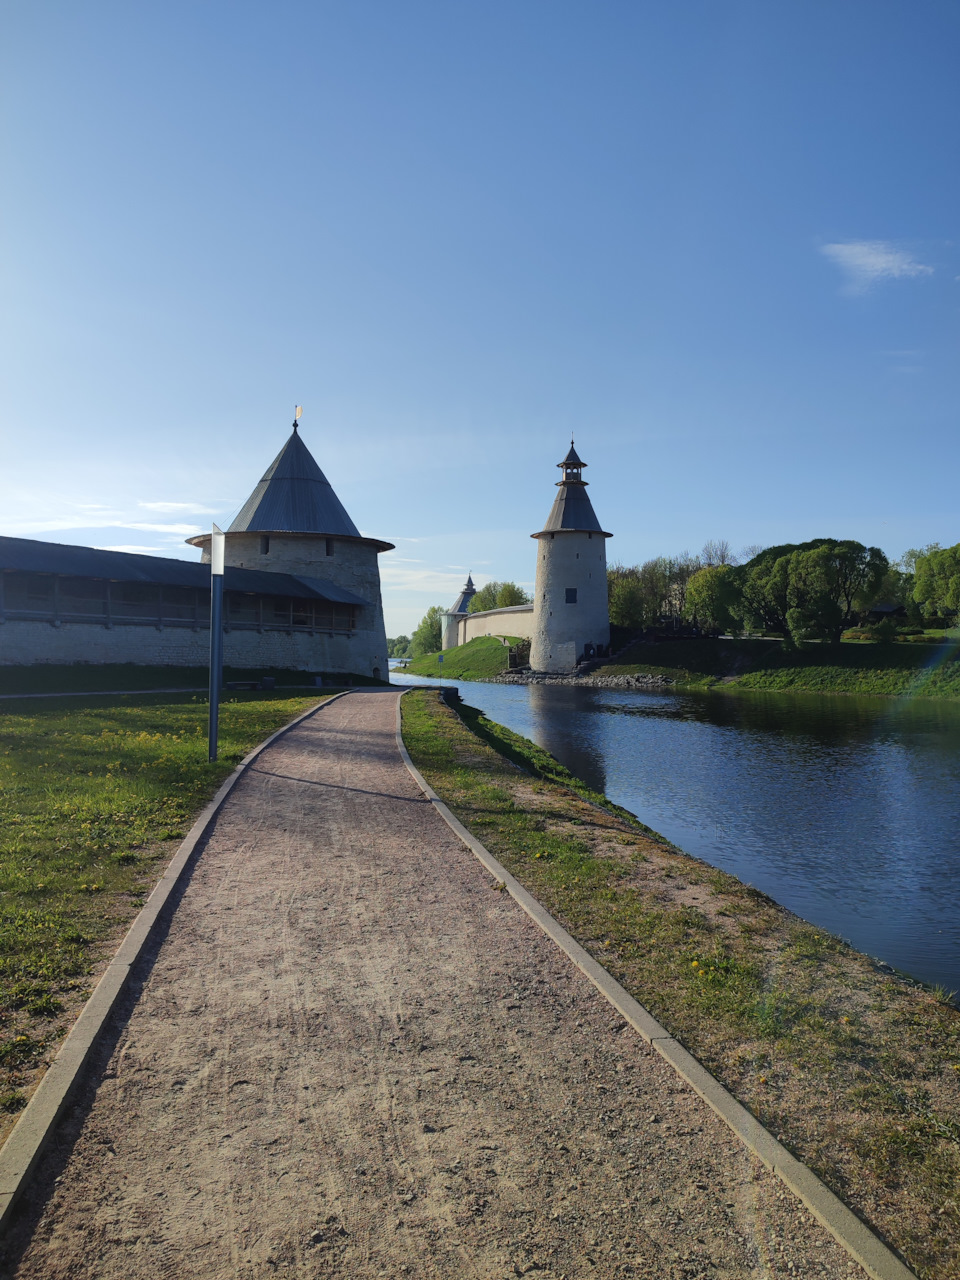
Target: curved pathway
(349, 1057)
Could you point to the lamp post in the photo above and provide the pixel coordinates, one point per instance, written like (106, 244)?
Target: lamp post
(216, 635)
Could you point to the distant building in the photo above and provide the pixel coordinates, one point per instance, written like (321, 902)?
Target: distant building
(568, 621)
(457, 614)
(301, 588)
(571, 615)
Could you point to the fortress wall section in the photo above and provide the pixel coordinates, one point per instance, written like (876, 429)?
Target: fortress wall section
(347, 562)
(30, 643)
(569, 561)
(514, 621)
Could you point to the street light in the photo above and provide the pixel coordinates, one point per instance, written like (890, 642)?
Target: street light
(216, 636)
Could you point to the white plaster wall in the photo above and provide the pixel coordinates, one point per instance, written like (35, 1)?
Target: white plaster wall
(560, 630)
(517, 620)
(27, 643)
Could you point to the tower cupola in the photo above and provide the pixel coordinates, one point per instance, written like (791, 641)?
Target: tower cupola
(572, 467)
(572, 508)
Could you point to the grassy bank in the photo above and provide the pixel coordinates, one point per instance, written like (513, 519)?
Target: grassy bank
(931, 671)
(855, 1069)
(476, 660)
(121, 676)
(94, 797)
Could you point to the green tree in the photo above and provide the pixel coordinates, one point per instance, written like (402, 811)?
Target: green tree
(643, 595)
(428, 637)
(498, 595)
(399, 647)
(711, 593)
(810, 589)
(625, 597)
(937, 587)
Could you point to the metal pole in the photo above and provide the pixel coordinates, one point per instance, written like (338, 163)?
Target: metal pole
(216, 636)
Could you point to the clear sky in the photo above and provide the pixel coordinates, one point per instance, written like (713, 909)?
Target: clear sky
(715, 241)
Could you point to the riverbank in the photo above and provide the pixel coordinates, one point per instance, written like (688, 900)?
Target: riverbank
(853, 1067)
(885, 668)
(94, 799)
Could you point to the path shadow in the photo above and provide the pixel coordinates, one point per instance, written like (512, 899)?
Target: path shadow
(337, 786)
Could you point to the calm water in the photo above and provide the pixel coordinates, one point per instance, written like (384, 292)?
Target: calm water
(844, 809)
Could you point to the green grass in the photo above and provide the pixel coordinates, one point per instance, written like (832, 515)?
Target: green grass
(927, 670)
(476, 660)
(93, 677)
(858, 1071)
(93, 797)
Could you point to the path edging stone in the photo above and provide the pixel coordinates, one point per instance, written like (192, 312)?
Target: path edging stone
(29, 1137)
(876, 1258)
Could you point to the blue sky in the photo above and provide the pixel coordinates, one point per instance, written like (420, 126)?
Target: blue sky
(716, 242)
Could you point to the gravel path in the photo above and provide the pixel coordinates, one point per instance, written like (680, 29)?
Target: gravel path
(351, 1057)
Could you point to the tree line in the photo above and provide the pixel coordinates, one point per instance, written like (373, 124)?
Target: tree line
(803, 591)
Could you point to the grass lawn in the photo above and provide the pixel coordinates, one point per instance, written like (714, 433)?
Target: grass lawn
(855, 1069)
(929, 670)
(94, 797)
(91, 677)
(486, 656)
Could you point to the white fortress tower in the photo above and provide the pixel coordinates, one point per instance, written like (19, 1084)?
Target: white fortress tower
(571, 619)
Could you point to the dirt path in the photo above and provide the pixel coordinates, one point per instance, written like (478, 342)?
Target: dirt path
(350, 1057)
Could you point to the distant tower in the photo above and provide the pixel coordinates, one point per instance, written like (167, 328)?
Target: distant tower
(570, 613)
(460, 609)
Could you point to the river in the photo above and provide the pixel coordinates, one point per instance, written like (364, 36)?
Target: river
(844, 809)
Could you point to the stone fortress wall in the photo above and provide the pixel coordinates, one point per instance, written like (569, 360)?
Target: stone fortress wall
(322, 611)
(517, 620)
(346, 562)
(25, 643)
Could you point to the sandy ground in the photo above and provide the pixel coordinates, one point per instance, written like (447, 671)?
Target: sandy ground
(349, 1056)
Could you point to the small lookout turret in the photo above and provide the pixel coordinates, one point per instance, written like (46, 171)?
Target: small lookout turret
(571, 617)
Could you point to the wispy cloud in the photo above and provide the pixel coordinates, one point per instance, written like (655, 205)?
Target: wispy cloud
(407, 576)
(864, 262)
(171, 508)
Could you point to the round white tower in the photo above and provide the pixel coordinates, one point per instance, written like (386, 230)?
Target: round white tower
(571, 619)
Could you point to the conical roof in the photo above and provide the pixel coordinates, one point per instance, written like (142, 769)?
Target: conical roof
(294, 496)
(572, 510)
(572, 459)
(462, 602)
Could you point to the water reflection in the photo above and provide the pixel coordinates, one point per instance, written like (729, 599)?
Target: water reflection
(842, 808)
(559, 731)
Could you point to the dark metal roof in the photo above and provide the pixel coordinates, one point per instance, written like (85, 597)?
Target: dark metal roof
(462, 601)
(294, 496)
(572, 509)
(27, 556)
(572, 459)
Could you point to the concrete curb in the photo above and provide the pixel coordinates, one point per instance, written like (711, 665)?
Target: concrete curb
(29, 1137)
(876, 1258)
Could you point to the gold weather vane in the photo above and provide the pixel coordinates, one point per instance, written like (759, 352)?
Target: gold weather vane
(297, 410)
